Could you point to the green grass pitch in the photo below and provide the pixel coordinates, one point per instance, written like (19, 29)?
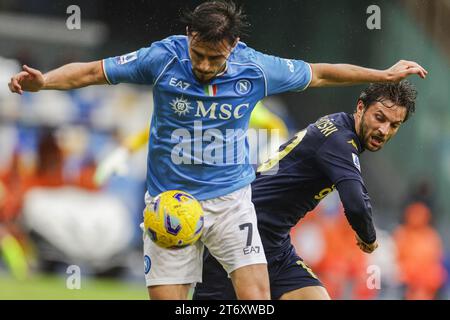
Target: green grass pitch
(40, 287)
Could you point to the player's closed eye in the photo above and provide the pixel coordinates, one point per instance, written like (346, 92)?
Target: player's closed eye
(214, 58)
(197, 55)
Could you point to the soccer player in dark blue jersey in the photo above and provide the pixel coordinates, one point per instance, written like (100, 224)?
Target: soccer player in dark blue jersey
(317, 160)
(205, 85)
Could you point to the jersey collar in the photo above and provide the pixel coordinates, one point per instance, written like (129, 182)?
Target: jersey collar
(352, 123)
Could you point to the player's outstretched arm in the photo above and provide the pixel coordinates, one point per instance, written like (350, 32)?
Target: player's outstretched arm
(69, 76)
(327, 75)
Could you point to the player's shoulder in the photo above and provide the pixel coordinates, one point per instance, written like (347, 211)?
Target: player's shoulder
(173, 46)
(338, 131)
(244, 55)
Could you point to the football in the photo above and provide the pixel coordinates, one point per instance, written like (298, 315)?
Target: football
(174, 219)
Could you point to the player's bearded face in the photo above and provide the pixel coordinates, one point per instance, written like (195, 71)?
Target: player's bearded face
(378, 123)
(208, 59)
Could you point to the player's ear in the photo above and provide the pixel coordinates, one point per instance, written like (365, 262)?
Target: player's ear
(189, 33)
(236, 43)
(360, 108)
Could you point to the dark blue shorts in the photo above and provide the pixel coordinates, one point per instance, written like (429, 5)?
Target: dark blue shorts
(287, 272)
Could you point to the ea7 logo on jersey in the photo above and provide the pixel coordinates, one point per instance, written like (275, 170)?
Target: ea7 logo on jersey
(356, 162)
(174, 82)
(252, 249)
(127, 58)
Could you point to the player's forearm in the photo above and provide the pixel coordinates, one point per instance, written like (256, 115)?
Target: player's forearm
(328, 75)
(358, 210)
(74, 75)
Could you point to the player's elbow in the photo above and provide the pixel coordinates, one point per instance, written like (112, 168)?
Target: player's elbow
(319, 77)
(316, 75)
(357, 208)
(96, 74)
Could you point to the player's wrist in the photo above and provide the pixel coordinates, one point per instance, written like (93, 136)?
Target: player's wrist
(367, 243)
(383, 76)
(45, 83)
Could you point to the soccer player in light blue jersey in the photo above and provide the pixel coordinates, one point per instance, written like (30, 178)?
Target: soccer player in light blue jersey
(205, 85)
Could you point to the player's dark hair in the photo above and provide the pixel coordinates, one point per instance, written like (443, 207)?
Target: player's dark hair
(215, 21)
(402, 94)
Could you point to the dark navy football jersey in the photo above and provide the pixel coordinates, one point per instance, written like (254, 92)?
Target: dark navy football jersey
(317, 160)
(303, 172)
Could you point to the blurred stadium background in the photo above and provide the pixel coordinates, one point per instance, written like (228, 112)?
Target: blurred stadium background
(51, 143)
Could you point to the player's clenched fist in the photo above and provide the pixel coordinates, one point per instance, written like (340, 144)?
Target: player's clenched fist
(366, 247)
(27, 80)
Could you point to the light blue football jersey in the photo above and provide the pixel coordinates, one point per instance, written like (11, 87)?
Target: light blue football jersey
(197, 136)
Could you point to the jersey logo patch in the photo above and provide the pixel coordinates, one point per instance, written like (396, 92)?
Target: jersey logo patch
(290, 65)
(181, 106)
(356, 162)
(127, 58)
(147, 264)
(243, 87)
(353, 143)
(174, 82)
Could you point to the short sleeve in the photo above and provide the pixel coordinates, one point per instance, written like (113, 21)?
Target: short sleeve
(339, 159)
(139, 67)
(284, 74)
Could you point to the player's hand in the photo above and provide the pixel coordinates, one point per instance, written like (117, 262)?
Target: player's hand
(403, 69)
(27, 80)
(367, 248)
(114, 164)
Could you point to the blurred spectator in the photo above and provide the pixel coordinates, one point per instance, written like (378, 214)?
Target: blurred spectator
(12, 253)
(85, 178)
(49, 166)
(10, 190)
(13, 242)
(15, 184)
(385, 260)
(444, 293)
(343, 268)
(327, 243)
(422, 191)
(419, 254)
